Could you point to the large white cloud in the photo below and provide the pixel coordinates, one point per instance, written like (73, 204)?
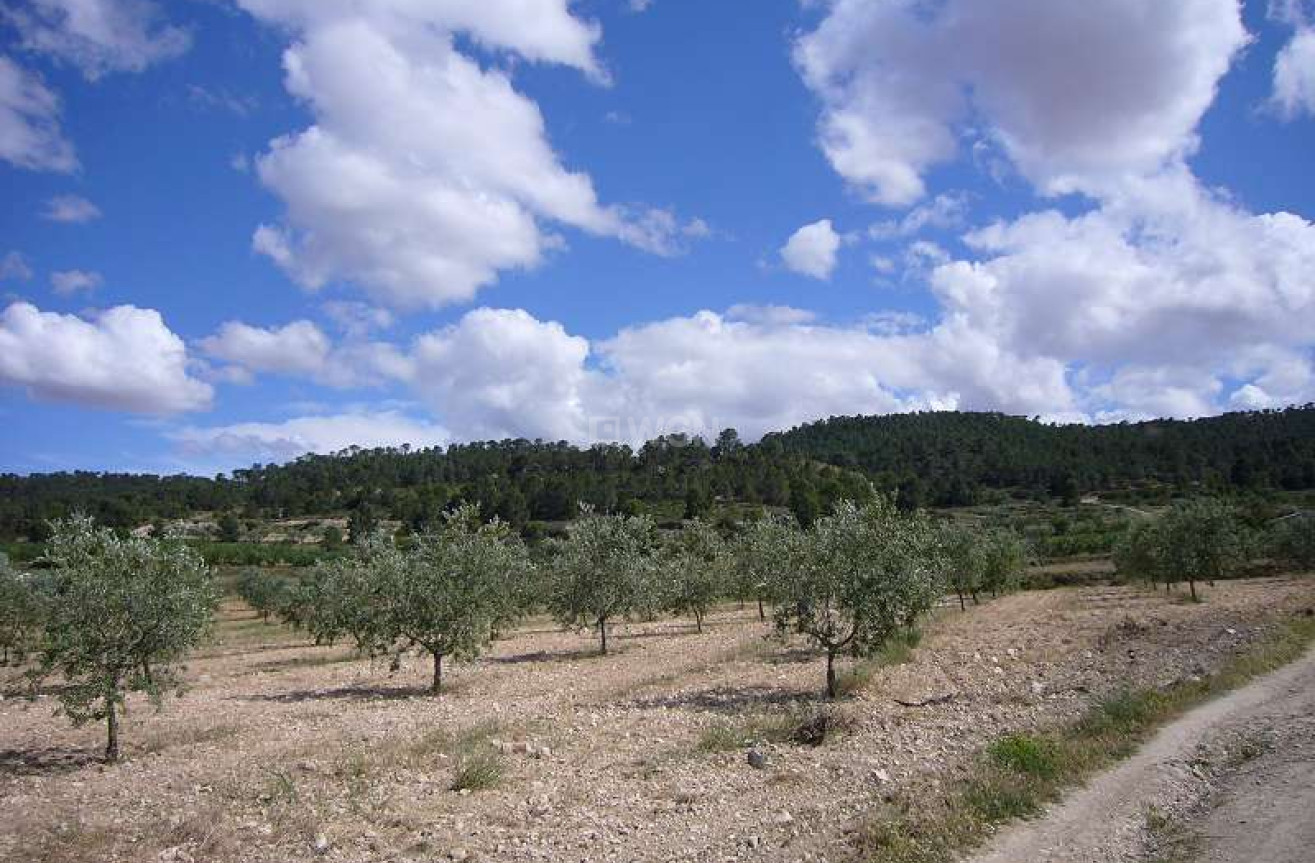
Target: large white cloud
(285, 440)
(30, 134)
(123, 359)
(1078, 95)
(442, 172)
(1163, 297)
(1164, 277)
(1294, 75)
(303, 349)
(503, 373)
(97, 36)
(812, 250)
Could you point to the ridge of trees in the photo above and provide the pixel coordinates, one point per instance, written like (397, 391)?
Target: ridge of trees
(921, 459)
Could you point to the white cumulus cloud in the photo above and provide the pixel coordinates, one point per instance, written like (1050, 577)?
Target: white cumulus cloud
(1077, 95)
(331, 433)
(303, 349)
(30, 134)
(124, 358)
(503, 373)
(1294, 75)
(443, 172)
(97, 36)
(812, 250)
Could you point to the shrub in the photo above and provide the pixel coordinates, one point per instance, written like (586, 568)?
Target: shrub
(478, 770)
(1024, 753)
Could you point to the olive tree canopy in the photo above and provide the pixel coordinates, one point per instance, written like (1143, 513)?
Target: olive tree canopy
(119, 615)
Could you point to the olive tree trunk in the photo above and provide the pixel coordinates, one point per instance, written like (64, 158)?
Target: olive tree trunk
(111, 724)
(436, 686)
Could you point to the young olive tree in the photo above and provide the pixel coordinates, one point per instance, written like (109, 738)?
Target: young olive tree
(694, 566)
(119, 614)
(1003, 560)
(964, 562)
(346, 597)
(1292, 542)
(758, 555)
(1200, 540)
(1137, 553)
(456, 589)
(265, 593)
(599, 571)
(857, 578)
(20, 613)
(1194, 540)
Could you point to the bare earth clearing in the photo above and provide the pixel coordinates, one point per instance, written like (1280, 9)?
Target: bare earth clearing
(282, 751)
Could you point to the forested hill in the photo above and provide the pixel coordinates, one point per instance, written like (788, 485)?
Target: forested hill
(944, 458)
(1267, 449)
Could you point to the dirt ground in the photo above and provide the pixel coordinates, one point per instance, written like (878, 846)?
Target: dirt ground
(1232, 780)
(282, 751)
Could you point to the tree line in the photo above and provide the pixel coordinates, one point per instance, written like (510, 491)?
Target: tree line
(925, 459)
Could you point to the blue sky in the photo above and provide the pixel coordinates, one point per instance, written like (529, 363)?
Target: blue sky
(237, 230)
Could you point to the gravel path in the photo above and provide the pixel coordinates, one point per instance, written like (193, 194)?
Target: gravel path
(1267, 805)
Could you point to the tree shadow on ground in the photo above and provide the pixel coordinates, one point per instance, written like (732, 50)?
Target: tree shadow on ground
(353, 693)
(51, 761)
(793, 656)
(731, 699)
(546, 656)
(304, 661)
(19, 689)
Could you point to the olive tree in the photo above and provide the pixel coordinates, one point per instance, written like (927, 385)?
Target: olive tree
(119, 614)
(694, 565)
(456, 589)
(1137, 553)
(265, 593)
(448, 594)
(964, 562)
(1200, 540)
(1003, 560)
(346, 597)
(758, 553)
(857, 578)
(1192, 541)
(1292, 541)
(599, 571)
(20, 613)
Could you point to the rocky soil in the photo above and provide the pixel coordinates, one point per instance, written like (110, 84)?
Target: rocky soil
(283, 751)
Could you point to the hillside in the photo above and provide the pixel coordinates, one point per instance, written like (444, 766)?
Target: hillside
(940, 459)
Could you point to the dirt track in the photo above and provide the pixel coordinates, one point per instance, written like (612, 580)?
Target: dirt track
(1261, 813)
